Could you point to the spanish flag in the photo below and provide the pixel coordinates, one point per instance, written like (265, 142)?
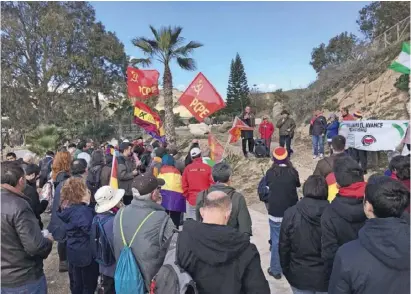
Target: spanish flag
(149, 120)
(114, 170)
(216, 149)
(172, 191)
(332, 187)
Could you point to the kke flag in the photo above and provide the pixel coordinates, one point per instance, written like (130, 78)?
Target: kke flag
(142, 83)
(201, 98)
(235, 131)
(149, 120)
(114, 171)
(216, 149)
(402, 63)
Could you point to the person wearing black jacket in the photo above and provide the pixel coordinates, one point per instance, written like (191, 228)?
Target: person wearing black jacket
(300, 239)
(188, 160)
(23, 246)
(282, 181)
(220, 259)
(319, 127)
(30, 190)
(379, 260)
(344, 217)
(248, 135)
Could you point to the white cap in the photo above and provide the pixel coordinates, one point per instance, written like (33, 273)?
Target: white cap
(107, 197)
(195, 151)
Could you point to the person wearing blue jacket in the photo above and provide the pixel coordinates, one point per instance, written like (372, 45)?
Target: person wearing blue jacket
(108, 203)
(332, 130)
(78, 216)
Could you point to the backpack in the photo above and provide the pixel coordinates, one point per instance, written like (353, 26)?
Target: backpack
(171, 278)
(101, 248)
(127, 277)
(47, 193)
(45, 170)
(93, 179)
(263, 190)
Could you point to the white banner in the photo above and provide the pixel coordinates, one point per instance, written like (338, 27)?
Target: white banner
(373, 135)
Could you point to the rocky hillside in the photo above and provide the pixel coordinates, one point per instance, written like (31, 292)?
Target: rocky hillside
(184, 113)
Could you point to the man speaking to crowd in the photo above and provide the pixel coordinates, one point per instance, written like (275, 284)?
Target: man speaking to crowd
(248, 117)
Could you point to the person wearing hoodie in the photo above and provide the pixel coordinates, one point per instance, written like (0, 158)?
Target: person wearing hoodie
(172, 191)
(266, 130)
(108, 202)
(344, 217)
(95, 168)
(219, 258)
(379, 260)
(196, 178)
(23, 246)
(282, 181)
(77, 217)
(300, 240)
(240, 216)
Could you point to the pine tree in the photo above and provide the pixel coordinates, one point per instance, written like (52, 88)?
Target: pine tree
(237, 90)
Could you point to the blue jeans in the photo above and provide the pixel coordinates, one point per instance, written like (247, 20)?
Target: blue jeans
(275, 266)
(35, 287)
(296, 291)
(318, 140)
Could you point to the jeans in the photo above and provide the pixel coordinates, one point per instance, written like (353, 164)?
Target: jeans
(83, 280)
(35, 287)
(318, 140)
(250, 145)
(190, 212)
(286, 141)
(275, 266)
(297, 291)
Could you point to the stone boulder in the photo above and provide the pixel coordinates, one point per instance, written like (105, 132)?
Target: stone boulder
(277, 108)
(198, 129)
(225, 127)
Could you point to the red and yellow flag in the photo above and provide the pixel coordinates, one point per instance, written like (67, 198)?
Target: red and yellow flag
(149, 120)
(235, 131)
(216, 149)
(332, 186)
(142, 83)
(114, 171)
(201, 98)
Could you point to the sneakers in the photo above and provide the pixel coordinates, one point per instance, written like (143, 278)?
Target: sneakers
(314, 156)
(321, 156)
(276, 276)
(63, 267)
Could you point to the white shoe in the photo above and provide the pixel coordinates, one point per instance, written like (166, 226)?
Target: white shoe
(321, 155)
(314, 156)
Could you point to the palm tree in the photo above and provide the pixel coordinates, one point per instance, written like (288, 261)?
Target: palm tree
(166, 46)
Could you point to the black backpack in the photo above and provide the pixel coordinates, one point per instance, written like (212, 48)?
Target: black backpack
(45, 170)
(93, 179)
(101, 248)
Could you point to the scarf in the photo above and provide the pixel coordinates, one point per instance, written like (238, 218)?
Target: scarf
(356, 190)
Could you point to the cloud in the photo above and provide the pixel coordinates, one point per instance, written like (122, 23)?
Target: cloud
(266, 87)
(181, 87)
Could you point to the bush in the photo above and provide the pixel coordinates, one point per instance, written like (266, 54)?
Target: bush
(402, 83)
(44, 138)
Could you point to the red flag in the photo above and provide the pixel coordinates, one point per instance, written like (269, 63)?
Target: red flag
(142, 83)
(201, 98)
(235, 131)
(216, 149)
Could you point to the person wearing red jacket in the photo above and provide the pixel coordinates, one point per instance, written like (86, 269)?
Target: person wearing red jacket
(196, 178)
(266, 130)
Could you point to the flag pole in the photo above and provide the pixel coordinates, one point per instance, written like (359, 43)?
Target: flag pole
(225, 147)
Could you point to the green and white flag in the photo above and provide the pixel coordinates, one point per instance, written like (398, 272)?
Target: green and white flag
(402, 63)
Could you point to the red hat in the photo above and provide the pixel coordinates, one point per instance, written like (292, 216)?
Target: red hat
(280, 155)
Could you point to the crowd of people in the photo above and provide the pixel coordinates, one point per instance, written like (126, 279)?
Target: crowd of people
(353, 239)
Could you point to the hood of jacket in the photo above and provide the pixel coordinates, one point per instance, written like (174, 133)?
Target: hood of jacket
(221, 187)
(61, 176)
(312, 209)
(66, 214)
(350, 209)
(213, 244)
(388, 240)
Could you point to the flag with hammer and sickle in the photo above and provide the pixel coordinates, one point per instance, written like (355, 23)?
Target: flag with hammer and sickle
(142, 83)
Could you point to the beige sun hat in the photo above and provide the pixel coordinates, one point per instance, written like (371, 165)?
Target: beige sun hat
(107, 198)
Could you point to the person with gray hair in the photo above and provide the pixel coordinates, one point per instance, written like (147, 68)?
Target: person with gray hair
(211, 251)
(149, 245)
(239, 217)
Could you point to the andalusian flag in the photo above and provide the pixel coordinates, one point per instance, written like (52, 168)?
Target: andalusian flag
(114, 170)
(208, 161)
(402, 63)
(216, 149)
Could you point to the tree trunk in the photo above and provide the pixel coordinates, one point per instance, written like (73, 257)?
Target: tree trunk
(168, 106)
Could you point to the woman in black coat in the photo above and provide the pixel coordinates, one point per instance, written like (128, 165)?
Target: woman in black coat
(300, 239)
